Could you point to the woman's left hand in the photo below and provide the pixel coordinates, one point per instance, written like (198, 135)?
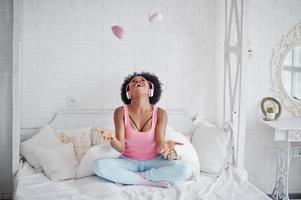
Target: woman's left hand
(168, 149)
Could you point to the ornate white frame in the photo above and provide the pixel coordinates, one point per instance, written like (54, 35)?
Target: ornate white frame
(287, 42)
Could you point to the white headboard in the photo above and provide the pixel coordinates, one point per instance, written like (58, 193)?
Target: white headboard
(180, 120)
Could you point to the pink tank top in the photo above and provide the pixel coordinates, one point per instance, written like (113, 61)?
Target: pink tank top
(139, 145)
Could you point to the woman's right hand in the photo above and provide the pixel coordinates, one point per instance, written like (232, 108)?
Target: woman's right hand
(168, 149)
(105, 134)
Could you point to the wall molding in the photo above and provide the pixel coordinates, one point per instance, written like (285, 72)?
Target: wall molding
(16, 95)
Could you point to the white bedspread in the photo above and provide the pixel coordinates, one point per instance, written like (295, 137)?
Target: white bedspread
(231, 185)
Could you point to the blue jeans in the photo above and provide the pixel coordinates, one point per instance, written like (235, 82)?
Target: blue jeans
(125, 171)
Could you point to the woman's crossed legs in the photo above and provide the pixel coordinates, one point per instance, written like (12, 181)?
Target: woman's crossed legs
(154, 172)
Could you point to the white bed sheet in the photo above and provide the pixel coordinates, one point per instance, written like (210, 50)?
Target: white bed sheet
(231, 185)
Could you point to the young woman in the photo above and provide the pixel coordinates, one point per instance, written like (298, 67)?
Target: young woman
(146, 159)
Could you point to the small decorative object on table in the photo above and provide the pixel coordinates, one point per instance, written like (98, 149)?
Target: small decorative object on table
(271, 108)
(270, 113)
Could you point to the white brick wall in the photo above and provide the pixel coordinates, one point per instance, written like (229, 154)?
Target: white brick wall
(69, 50)
(269, 19)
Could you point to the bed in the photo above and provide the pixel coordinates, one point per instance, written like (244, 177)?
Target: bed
(230, 184)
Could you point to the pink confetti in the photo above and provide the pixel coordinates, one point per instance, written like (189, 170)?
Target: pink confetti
(117, 31)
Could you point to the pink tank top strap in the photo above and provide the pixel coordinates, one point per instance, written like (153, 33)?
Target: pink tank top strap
(155, 111)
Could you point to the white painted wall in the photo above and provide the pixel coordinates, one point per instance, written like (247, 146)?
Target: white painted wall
(68, 50)
(268, 20)
(6, 25)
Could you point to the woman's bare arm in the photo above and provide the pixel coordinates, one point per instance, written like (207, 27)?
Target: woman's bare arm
(118, 141)
(160, 129)
(166, 148)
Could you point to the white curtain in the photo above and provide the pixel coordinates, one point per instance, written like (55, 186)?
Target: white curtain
(6, 36)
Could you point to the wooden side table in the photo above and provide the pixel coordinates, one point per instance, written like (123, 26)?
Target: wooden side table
(287, 134)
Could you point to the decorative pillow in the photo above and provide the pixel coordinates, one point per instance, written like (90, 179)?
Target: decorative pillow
(59, 163)
(80, 138)
(94, 153)
(97, 140)
(212, 145)
(185, 152)
(45, 138)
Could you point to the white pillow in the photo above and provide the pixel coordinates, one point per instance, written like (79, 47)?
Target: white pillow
(45, 138)
(97, 140)
(185, 152)
(94, 153)
(59, 163)
(80, 138)
(212, 145)
(204, 123)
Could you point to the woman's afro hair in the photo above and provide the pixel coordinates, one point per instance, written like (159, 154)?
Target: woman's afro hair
(148, 76)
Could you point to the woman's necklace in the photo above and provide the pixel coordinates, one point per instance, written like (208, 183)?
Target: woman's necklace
(140, 130)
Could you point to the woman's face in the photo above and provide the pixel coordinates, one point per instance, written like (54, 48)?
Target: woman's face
(139, 85)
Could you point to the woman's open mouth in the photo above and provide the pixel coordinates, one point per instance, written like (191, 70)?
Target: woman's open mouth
(138, 85)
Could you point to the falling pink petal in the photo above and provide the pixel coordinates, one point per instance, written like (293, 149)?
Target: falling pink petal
(155, 17)
(118, 31)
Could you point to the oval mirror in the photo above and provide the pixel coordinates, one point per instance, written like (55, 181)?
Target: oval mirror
(291, 73)
(286, 70)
